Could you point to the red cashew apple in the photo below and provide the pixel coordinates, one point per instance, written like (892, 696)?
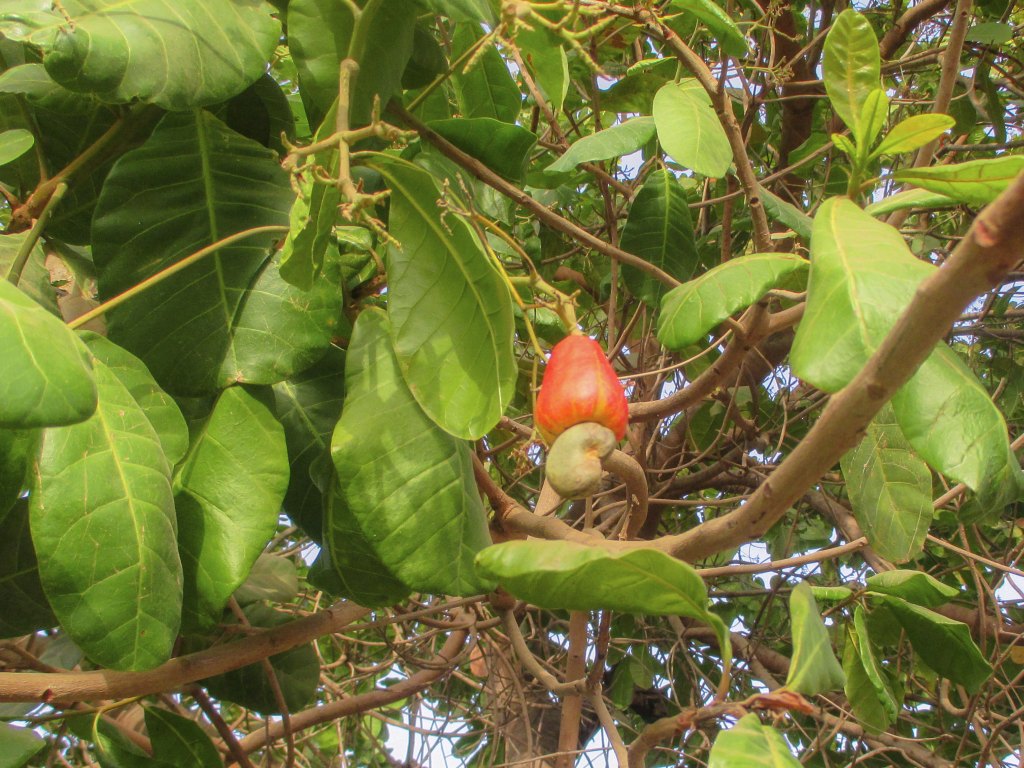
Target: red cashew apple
(580, 386)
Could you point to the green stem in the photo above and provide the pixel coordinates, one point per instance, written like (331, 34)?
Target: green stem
(21, 258)
(163, 274)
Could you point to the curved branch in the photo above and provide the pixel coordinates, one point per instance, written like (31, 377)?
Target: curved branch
(69, 687)
(993, 246)
(433, 669)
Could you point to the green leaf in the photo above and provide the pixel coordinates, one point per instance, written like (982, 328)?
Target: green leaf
(564, 575)
(786, 213)
(845, 145)
(107, 51)
(48, 379)
(229, 317)
(860, 692)
(15, 143)
(621, 139)
(228, 494)
(18, 745)
(658, 229)
(852, 68)
(945, 645)
(689, 130)
(873, 114)
(545, 58)
(814, 668)
(502, 147)
(25, 606)
(719, 22)
(464, 10)
(34, 280)
(353, 565)
(272, 577)
(308, 406)
(409, 485)
(909, 198)
(450, 311)
(18, 449)
(914, 132)
(749, 744)
(321, 33)
(890, 489)
(104, 526)
(950, 420)
(862, 275)
(975, 182)
(487, 88)
(913, 586)
(690, 311)
(178, 740)
(990, 33)
(161, 410)
(297, 672)
(871, 664)
(311, 222)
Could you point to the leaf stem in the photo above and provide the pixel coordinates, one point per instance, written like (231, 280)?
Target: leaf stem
(163, 274)
(21, 258)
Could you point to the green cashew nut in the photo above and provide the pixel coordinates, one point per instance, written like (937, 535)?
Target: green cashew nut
(574, 461)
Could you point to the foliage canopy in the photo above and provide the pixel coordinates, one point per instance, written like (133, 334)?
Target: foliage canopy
(278, 286)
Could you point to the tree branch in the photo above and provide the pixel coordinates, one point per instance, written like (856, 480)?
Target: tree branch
(61, 688)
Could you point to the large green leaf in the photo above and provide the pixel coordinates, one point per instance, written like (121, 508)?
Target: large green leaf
(502, 147)
(852, 67)
(161, 410)
(322, 33)
(25, 606)
(872, 665)
(47, 379)
(690, 311)
(228, 318)
(944, 644)
(914, 132)
(104, 527)
(786, 213)
(545, 58)
(659, 230)
(350, 559)
(178, 740)
(859, 689)
(913, 586)
(749, 744)
(308, 406)
(890, 489)
(814, 668)
(954, 425)
(621, 139)
(689, 130)
(450, 311)
(15, 143)
(487, 88)
(564, 575)
(408, 484)
(862, 275)
(178, 55)
(18, 745)
(909, 198)
(228, 493)
(975, 182)
(718, 21)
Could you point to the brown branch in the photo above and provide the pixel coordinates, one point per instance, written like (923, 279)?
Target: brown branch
(433, 669)
(992, 247)
(900, 30)
(69, 687)
(520, 197)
